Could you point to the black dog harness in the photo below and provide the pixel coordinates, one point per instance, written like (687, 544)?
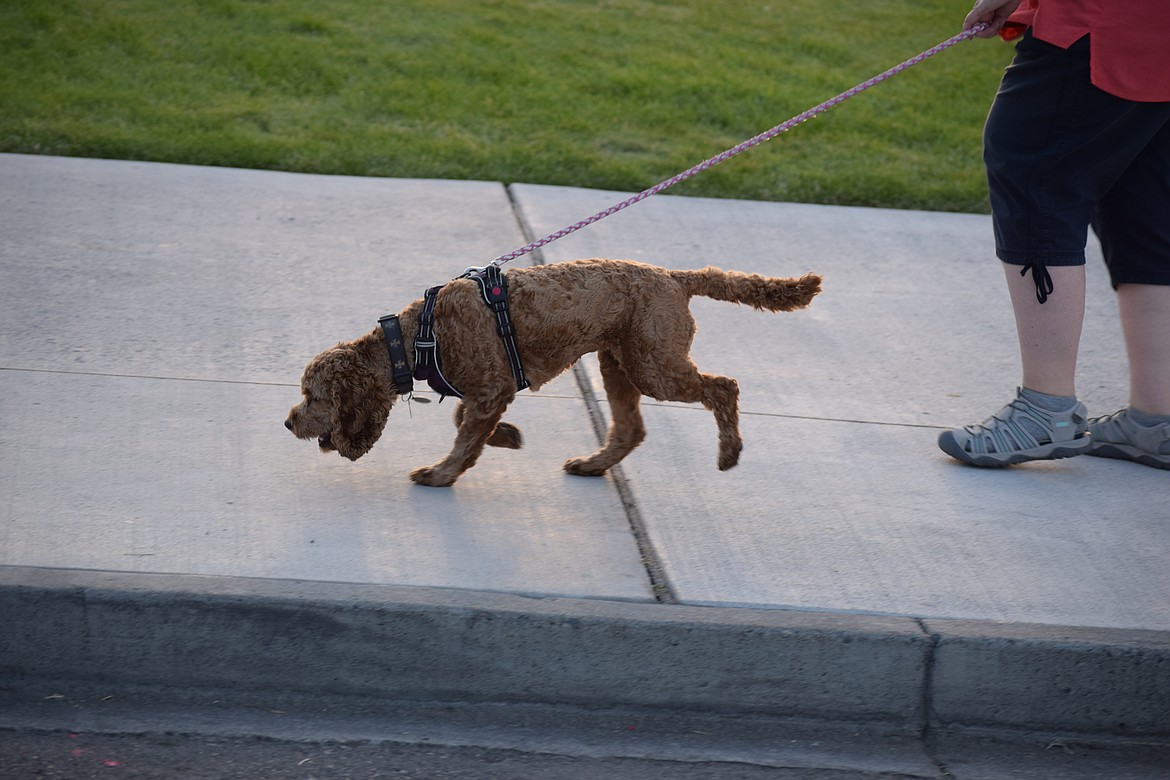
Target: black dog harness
(427, 366)
(493, 288)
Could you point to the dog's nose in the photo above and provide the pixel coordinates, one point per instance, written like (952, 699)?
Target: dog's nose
(288, 424)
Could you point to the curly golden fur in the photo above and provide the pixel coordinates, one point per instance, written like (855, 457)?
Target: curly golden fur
(635, 316)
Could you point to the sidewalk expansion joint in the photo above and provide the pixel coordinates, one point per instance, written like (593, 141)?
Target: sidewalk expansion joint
(650, 560)
(523, 224)
(655, 571)
(151, 377)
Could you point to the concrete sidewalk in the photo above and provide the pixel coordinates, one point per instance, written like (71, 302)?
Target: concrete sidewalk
(154, 321)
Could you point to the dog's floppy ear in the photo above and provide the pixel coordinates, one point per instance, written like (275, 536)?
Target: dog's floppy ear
(361, 405)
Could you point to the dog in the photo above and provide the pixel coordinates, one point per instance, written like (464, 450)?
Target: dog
(635, 316)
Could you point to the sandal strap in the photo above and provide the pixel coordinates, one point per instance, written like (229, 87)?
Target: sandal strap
(1005, 432)
(1119, 428)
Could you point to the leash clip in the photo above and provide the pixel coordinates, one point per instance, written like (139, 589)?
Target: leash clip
(478, 270)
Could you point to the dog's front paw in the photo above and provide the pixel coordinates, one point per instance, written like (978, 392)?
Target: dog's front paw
(585, 467)
(432, 477)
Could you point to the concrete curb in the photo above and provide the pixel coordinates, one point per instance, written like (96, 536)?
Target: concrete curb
(1062, 678)
(429, 644)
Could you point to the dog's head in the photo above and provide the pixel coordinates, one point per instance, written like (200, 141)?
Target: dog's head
(346, 402)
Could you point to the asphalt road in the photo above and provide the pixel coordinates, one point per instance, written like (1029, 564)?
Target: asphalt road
(35, 754)
(71, 756)
(78, 732)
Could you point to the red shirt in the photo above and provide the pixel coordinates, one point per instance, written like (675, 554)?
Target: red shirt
(1130, 50)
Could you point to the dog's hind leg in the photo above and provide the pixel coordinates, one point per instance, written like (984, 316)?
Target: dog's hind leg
(680, 380)
(721, 396)
(626, 431)
(505, 435)
(656, 358)
(479, 421)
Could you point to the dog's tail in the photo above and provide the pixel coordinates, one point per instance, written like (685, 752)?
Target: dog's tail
(761, 292)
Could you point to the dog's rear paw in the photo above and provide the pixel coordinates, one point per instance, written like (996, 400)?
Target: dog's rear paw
(506, 435)
(729, 456)
(432, 477)
(585, 467)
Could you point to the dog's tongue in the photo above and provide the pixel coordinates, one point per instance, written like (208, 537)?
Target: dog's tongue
(325, 440)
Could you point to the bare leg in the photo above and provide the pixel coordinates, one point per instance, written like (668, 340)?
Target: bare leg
(1049, 333)
(1145, 321)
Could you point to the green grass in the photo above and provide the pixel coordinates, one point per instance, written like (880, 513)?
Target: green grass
(616, 94)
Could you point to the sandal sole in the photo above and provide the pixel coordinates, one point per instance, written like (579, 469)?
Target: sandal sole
(1126, 452)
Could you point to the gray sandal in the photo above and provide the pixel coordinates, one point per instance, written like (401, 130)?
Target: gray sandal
(1007, 438)
(1117, 436)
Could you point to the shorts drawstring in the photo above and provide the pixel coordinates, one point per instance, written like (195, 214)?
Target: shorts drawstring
(1042, 279)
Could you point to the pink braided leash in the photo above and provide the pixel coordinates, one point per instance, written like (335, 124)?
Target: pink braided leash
(748, 144)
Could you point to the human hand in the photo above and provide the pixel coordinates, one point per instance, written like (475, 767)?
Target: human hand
(993, 13)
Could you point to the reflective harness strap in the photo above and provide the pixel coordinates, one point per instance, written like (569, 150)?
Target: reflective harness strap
(493, 287)
(427, 366)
